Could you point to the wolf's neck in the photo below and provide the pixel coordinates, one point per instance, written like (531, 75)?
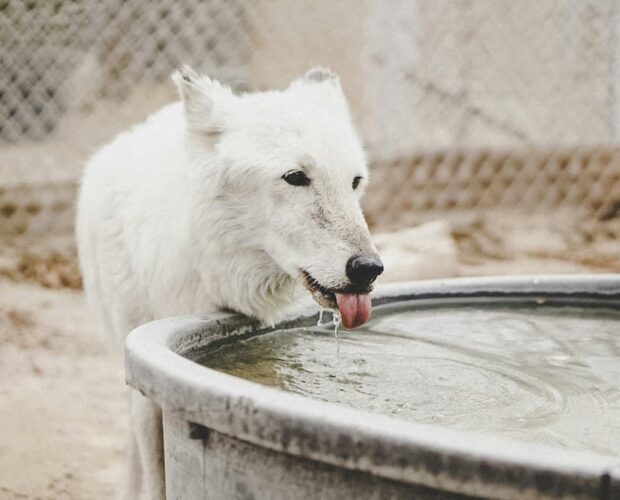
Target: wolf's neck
(251, 283)
(237, 274)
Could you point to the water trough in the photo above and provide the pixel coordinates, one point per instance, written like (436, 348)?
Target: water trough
(228, 437)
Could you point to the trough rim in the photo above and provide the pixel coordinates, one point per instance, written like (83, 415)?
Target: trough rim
(422, 454)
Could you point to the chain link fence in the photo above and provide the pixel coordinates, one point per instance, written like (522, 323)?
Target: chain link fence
(463, 105)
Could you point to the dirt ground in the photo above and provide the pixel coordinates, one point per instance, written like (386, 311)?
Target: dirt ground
(62, 395)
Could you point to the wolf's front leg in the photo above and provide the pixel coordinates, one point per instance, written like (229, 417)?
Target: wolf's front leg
(147, 427)
(131, 480)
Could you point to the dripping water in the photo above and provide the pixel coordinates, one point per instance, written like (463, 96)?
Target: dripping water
(334, 321)
(320, 321)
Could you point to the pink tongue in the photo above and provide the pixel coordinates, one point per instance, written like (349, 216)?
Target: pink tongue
(354, 309)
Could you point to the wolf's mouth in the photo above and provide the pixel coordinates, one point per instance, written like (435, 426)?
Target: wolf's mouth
(323, 296)
(352, 303)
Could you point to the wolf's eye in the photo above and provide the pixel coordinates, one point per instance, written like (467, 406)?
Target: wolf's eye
(296, 178)
(356, 181)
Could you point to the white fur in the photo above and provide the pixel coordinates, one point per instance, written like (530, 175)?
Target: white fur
(188, 212)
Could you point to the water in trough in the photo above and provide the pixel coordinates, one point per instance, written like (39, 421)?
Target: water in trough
(541, 373)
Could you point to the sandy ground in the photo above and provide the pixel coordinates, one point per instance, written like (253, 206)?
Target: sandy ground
(61, 397)
(62, 394)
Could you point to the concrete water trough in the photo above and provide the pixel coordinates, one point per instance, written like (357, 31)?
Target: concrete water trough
(494, 387)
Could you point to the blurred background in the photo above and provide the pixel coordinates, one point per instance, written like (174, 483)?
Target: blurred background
(496, 125)
(465, 107)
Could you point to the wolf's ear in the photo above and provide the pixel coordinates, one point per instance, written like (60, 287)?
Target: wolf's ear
(201, 98)
(320, 74)
(326, 84)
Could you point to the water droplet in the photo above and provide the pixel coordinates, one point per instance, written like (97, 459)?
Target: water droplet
(320, 321)
(336, 320)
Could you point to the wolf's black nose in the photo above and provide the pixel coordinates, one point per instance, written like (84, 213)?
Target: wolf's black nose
(363, 270)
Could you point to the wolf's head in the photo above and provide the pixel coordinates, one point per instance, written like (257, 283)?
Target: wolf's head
(286, 172)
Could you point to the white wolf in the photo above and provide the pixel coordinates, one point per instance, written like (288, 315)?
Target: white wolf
(225, 201)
